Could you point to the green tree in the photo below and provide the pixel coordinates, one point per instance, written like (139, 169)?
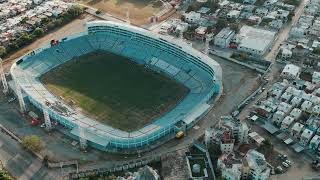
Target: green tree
(33, 143)
(266, 147)
(26, 38)
(4, 175)
(38, 31)
(24, 20)
(235, 27)
(3, 51)
(51, 25)
(75, 10)
(221, 23)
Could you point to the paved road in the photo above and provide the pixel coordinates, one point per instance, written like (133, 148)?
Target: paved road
(284, 33)
(21, 164)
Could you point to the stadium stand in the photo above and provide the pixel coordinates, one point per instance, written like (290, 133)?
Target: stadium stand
(201, 74)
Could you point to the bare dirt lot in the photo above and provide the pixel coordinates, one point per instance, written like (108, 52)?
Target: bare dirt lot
(139, 10)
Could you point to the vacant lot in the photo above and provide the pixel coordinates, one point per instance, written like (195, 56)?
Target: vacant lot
(139, 10)
(114, 90)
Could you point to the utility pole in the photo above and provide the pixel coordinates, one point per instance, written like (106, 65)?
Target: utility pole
(3, 79)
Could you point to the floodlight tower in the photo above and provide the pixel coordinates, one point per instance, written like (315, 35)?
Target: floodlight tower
(47, 120)
(82, 139)
(23, 108)
(209, 37)
(3, 79)
(128, 16)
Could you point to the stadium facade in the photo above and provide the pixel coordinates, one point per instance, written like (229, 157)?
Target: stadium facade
(201, 74)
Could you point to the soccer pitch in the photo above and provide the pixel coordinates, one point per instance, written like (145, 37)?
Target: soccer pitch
(114, 90)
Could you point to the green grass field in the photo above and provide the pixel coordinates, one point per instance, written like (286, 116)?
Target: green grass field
(114, 90)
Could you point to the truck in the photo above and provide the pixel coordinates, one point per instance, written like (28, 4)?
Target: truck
(180, 135)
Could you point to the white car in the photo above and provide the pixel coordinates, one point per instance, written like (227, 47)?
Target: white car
(288, 162)
(285, 164)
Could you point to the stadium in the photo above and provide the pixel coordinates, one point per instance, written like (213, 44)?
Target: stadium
(179, 85)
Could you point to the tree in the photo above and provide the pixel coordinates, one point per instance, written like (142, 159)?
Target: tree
(38, 31)
(51, 25)
(235, 27)
(4, 175)
(75, 10)
(266, 147)
(26, 38)
(3, 51)
(33, 143)
(221, 23)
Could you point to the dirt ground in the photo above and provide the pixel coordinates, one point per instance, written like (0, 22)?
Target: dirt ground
(76, 26)
(139, 10)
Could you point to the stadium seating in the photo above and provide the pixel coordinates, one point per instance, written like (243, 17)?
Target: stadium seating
(155, 53)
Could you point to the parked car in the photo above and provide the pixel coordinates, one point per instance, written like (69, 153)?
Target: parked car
(11, 99)
(288, 162)
(285, 164)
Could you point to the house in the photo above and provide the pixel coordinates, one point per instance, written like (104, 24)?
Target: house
(317, 92)
(286, 123)
(298, 32)
(192, 17)
(290, 71)
(296, 130)
(306, 137)
(253, 19)
(254, 137)
(285, 107)
(258, 167)
(296, 113)
(166, 28)
(234, 14)
(314, 143)
(278, 117)
(230, 166)
(224, 37)
(313, 123)
(261, 11)
(306, 106)
(286, 97)
(286, 53)
(316, 110)
(249, 1)
(316, 78)
(277, 23)
(296, 101)
(200, 32)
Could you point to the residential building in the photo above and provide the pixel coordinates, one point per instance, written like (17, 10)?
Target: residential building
(230, 166)
(306, 136)
(192, 17)
(224, 37)
(291, 71)
(258, 165)
(286, 123)
(296, 130)
(296, 113)
(278, 117)
(316, 78)
(227, 143)
(314, 143)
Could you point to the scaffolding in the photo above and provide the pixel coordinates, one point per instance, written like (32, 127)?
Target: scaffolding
(3, 79)
(22, 104)
(82, 139)
(209, 37)
(47, 121)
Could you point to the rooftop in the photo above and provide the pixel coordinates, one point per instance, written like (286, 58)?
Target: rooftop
(255, 38)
